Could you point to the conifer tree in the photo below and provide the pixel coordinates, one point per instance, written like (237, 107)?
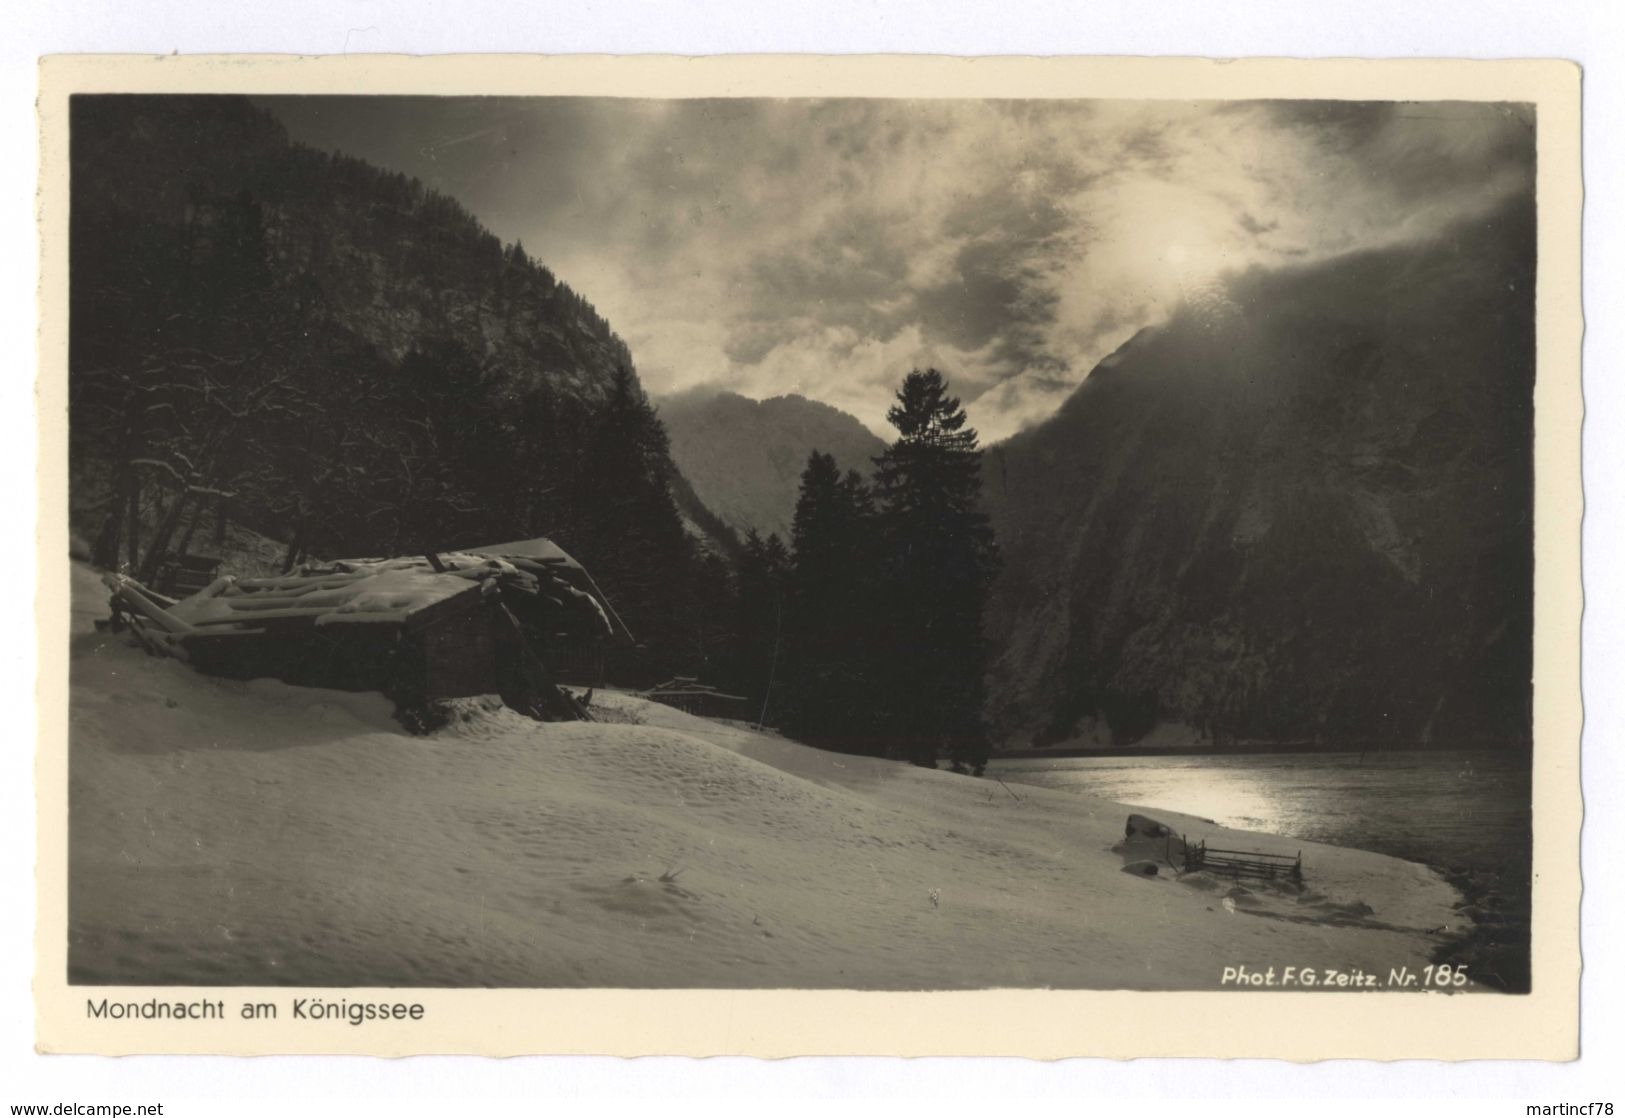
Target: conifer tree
(830, 686)
(630, 534)
(763, 568)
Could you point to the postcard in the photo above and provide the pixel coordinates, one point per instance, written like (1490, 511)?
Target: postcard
(810, 556)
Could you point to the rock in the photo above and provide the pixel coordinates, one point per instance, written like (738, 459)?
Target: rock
(1142, 868)
(1146, 841)
(1141, 826)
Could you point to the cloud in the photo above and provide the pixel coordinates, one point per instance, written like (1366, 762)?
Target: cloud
(1256, 227)
(827, 247)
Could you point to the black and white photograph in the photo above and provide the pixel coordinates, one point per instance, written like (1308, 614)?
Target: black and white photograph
(800, 543)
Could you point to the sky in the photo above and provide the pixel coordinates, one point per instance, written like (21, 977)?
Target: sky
(826, 248)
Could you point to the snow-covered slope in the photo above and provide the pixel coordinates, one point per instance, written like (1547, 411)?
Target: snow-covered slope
(231, 833)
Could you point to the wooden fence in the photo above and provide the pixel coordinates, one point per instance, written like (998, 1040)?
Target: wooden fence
(1243, 863)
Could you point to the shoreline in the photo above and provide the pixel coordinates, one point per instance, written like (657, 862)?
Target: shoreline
(1489, 931)
(1244, 750)
(1496, 946)
(297, 836)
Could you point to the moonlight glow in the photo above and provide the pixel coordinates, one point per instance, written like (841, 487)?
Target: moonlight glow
(827, 247)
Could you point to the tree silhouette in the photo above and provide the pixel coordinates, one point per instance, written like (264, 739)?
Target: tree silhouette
(629, 532)
(759, 623)
(939, 558)
(831, 694)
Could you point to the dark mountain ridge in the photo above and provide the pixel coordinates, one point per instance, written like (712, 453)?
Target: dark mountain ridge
(389, 259)
(339, 358)
(745, 457)
(1300, 511)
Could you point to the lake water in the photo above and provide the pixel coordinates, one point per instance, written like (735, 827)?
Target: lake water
(1454, 810)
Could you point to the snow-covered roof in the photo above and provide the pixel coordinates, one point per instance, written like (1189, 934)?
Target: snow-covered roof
(387, 590)
(399, 590)
(540, 550)
(545, 551)
(355, 591)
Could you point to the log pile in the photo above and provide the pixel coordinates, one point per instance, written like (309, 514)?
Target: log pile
(689, 695)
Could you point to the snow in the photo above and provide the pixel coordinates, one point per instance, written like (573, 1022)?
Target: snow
(393, 594)
(384, 590)
(539, 549)
(259, 833)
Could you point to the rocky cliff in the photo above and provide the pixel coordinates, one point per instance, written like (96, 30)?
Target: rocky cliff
(1300, 510)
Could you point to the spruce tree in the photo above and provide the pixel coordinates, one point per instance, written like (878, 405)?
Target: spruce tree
(939, 560)
(829, 685)
(759, 622)
(629, 532)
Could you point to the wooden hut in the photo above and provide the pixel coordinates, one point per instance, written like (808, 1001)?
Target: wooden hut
(418, 628)
(574, 653)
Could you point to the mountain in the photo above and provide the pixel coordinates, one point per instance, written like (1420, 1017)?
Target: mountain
(391, 260)
(337, 357)
(745, 457)
(1300, 511)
